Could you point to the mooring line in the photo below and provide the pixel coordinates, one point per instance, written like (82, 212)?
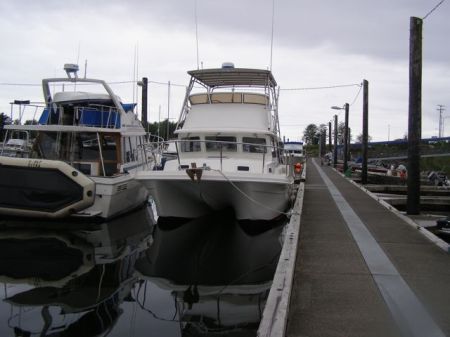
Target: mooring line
(288, 214)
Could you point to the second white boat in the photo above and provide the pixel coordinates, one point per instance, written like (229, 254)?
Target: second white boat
(229, 151)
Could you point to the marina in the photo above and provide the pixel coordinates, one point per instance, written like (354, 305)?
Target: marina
(225, 230)
(197, 169)
(302, 275)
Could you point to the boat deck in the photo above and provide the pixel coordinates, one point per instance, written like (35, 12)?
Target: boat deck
(361, 270)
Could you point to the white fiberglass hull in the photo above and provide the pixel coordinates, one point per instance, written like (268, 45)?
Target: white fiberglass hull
(254, 197)
(115, 196)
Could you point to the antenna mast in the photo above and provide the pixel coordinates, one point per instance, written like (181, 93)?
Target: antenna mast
(78, 52)
(441, 109)
(196, 30)
(271, 38)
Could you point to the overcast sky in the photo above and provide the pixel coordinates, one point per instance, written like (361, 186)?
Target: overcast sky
(317, 43)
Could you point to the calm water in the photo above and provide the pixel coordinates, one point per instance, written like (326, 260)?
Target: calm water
(134, 277)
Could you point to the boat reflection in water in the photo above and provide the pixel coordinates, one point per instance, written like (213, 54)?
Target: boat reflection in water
(132, 277)
(217, 272)
(69, 283)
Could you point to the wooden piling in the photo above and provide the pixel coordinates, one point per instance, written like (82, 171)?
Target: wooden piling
(414, 116)
(365, 131)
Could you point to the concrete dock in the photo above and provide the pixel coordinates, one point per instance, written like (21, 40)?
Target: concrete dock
(360, 269)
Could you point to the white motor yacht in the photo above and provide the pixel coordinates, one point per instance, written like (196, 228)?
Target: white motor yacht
(87, 147)
(228, 149)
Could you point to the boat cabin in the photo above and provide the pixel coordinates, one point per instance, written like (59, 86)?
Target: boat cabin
(232, 124)
(93, 132)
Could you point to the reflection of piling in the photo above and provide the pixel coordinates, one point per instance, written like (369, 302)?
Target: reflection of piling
(415, 115)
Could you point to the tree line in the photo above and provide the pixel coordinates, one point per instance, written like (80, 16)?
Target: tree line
(311, 134)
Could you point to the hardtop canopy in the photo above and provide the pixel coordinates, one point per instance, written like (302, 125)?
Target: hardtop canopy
(227, 77)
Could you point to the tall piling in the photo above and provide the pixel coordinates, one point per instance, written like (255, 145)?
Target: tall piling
(414, 116)
(144, 110)
(335, 140)
(346, 138)
(365, 131)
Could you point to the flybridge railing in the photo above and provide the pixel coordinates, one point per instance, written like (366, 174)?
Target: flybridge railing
(223, 149)
(93, 115)
(23, 112)
(97, 115)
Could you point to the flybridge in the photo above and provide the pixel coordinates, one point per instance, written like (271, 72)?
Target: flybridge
(258, 86)
(226, 77)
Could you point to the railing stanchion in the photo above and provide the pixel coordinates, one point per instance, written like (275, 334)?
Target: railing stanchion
(221, 152)
(264, 159)
(178, 154)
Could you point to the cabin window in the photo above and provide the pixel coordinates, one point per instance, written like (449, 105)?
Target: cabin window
(190, 144)
(254, 145)
(54, 145)
(216, 143)
(109, 152)
(131, 149)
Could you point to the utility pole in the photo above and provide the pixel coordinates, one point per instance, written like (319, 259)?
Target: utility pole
(414, 116)
(365, 131)
(441, 124)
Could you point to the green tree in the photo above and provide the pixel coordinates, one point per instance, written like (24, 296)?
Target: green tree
(4, 120)
(341, 127)
(160, 128)
(310, 134)
(359, 138)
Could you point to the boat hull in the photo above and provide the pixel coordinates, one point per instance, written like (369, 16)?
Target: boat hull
(53, 189)
(253, 198)
(115, 196)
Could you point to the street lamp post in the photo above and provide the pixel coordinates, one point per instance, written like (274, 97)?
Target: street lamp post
(346, 135)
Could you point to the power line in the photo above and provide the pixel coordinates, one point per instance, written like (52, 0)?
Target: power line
(21, 84)
(356, 97)
(115, 82)
(322, 88)
(434, 8)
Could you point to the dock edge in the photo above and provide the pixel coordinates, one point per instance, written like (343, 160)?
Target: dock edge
(275, 314)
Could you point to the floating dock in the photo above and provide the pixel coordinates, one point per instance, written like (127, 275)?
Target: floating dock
(353, 266)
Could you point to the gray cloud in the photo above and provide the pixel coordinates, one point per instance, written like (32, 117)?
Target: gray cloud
(316, 43)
